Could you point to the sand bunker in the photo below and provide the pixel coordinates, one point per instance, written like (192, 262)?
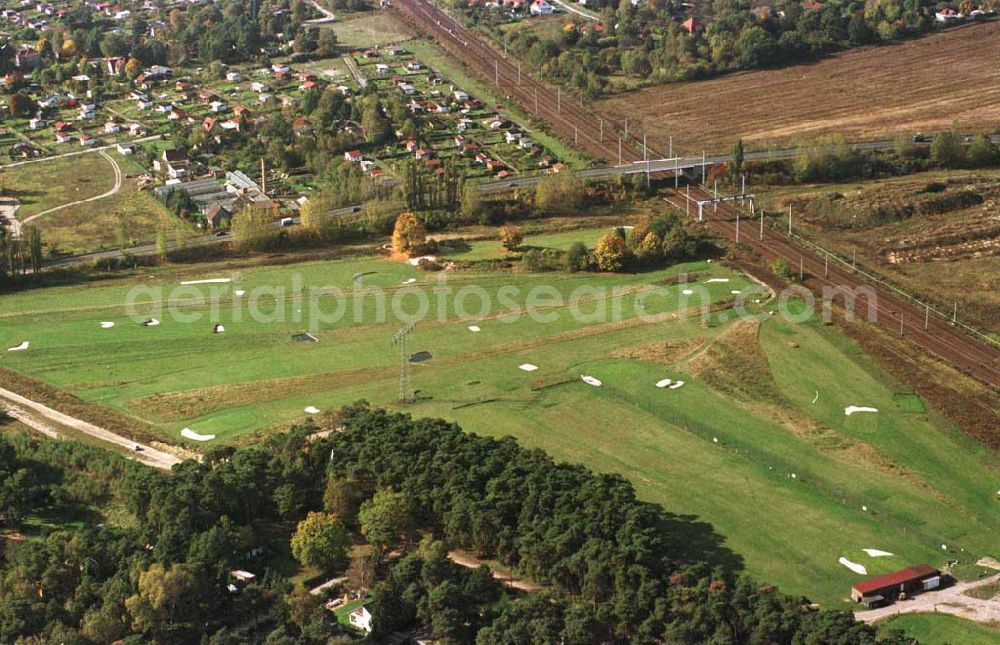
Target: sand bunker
(410, 281)
(717, 280)
(590, 380)
(24, 345)
(853, 566)
(876, 553)
(475, 328)
(416, 261)
(527, 367)
(209, 281)
(851, 409)
(107, 325)
(239, 292)
(218, 329)
(735, 292)
(150, 322)
(687, 292)
(304, 337)
(311, 410)
(676, 384)
(188, 433)
(663, 383)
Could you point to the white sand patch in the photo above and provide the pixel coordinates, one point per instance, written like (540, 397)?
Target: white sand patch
(590, 380)
(410, 281)
(876, 553)
(853, 566)
(676, 384)
(239, 292)
(107, 325)
(717, 280)
(311, 410)
(687, 292)
(735, 292)
(208, 281)
(851, 409)
(527, 367)
(188, 433)
(18, 348)
(416, 261)
(152, 322)
(662, 383)
(218, 329)
(475, 328)
(816, 398)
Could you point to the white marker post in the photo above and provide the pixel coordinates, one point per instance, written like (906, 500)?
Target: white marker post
(737, 227)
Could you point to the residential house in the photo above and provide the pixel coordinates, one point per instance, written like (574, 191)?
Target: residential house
(144, 104)
(258, 87)
(540, 8)
(361, 618)
(233, 77)
(218, 107)
(353, 155)
(125, 149)
(62, 136)
(218, 216)
(112, 128)
(414, 66)
(136, 129)
(36, 123)
(87, 140)
(174, 163)
(693, 25)
(177, 114)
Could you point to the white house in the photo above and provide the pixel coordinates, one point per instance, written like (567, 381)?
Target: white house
(362, 619)
(218, 106)
(87, 140)
(258, 87)
(233, 77)
(540, 8)
(144, 104)
(36, 123)
(112, 128)
(461, 96)
(125, 149)
(381, 69)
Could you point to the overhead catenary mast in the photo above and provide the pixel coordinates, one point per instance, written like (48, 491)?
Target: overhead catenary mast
(399, 339)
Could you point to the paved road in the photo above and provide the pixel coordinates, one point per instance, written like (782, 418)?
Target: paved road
(943, 601)
(114, 191)
(47, 421)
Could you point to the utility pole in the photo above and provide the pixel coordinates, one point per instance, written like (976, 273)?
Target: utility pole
(761, 220)
(576, 136)
(263, 177)
(737, 227)
(954, 314)
(619, 151)
(801, 275)
(671, 144)
(687, 201)
(901, 323)
(645, 158)
(405, 386)
(558, 100)
(715, 197)
(496, 71)
(626, 127)
(704, 168)
(854, 260)
(536, 100)
(789, 220)
(601, 121)
(826, 265)
(518, 72)
(677, 173)
(743, 188)
(927, 315)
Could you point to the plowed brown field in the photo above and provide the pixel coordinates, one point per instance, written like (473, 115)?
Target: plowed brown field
(871, 93)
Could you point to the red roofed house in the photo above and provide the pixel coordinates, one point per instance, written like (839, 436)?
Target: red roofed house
(353, 155)
(881, 589)
(692, 25)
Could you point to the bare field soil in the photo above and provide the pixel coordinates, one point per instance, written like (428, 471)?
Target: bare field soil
(919, 85)
(936, 234)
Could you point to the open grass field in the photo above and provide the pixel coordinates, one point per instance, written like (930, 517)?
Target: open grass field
(918, 85)
(369, 29)
(934, 234)
(89, 226)
(941, 629)
(41, 186)
(754, 453)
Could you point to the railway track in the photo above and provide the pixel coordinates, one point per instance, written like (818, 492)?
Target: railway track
(893, 313)
(570, 121)
(584, 128)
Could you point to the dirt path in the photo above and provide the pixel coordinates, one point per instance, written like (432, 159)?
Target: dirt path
(470, 561)
(47, 421)
(8, 217)
(114, 191)
(946, 601)
(327, 15)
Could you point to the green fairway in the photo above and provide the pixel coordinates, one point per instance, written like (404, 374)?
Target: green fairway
(491, 249)
(941, 629)
(756, 443)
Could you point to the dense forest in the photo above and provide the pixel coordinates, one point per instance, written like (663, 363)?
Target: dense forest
(130, 553)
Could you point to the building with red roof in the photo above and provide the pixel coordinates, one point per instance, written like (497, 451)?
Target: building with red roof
(886, 588)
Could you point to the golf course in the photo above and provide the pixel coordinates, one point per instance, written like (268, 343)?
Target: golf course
(754, 448)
